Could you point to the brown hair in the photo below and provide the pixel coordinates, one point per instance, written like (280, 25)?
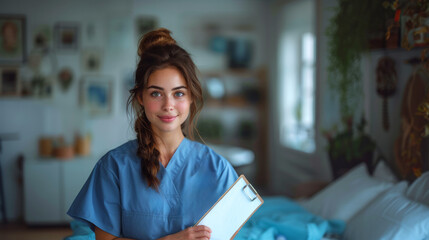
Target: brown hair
(158, 50)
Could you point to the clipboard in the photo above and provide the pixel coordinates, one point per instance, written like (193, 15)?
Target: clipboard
(232, 210)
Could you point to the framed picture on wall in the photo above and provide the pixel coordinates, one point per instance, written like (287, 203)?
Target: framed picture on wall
(96, 95)
(67, 36)
(414, 30)
(9, 81)
(92, 59)
(144, 24)
(12, 38)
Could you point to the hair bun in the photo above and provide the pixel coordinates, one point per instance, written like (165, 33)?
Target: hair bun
(159, 37)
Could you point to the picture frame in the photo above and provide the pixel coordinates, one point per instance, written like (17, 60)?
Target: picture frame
(414, 33)
(96, 95)
(145, 24)
(42, 37)
(9, 82)
(92, 59)
(12, 39)
(67, 35)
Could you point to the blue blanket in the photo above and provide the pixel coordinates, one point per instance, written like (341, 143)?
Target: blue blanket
(278, 218)
(81, 231)
(282, 218)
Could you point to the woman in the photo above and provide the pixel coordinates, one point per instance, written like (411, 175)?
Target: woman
(159, 185)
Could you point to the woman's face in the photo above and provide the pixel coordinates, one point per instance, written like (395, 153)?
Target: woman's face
(166, 100)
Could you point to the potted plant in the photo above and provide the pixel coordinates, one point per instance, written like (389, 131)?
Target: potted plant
(349, 146)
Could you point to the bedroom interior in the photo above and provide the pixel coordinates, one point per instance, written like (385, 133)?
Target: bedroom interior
(322, 104)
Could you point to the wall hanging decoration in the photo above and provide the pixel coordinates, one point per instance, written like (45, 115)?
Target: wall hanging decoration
(413, 17)
(67, 36)
(65, 78)
(92, 59)
(42, 37)
(96, 95)
(9, 81)
(12, 39)
(144, 24)
(387, 80)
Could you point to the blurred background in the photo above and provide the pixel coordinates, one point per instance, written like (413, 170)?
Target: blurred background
(66, 68)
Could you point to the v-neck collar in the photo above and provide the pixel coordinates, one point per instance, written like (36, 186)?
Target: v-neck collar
(170, 172)
(176, 161)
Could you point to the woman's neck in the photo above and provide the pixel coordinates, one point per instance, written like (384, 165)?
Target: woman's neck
(167, 145)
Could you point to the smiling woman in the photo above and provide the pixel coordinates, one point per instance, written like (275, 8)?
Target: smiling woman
(159, 185)
(166, 101)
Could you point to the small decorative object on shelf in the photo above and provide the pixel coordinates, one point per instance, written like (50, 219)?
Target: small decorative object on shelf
(57, 147)
(62, 150)
(46, 147)
(82, 144)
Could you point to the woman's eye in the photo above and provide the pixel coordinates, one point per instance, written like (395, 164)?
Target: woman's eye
(155, 94)
(179, 94)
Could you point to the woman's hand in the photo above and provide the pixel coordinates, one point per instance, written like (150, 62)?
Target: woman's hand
(198, 232)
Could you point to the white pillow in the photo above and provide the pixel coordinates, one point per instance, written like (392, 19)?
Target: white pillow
(419, 189)
(346, 196)
(391, 216)
(383, 173)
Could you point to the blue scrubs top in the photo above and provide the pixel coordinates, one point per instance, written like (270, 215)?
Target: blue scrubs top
(116, 199)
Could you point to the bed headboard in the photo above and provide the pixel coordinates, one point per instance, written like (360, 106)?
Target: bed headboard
(412, 146)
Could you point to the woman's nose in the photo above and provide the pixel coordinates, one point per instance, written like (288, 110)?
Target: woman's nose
(168, 104)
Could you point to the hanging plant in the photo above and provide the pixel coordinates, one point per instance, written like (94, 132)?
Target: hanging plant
(350, 29)
(353, 26)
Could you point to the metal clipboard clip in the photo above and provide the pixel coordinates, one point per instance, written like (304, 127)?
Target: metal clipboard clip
(249, 188)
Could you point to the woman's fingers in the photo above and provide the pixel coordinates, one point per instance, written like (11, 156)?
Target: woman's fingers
(193, 233)
(201, 232)
(202, 228)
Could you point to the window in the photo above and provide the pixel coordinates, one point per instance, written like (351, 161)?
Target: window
(297, 77)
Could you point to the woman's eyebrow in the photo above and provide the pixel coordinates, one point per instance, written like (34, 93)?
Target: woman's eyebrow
(156, 87)
(160, 88)
(177, 88)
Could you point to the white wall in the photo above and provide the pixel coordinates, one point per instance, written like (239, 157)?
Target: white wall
(61, 114)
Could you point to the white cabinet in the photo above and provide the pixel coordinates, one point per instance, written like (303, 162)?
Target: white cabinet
(50, 186)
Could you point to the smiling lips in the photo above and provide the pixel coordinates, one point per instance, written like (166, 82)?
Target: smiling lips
(167, 119)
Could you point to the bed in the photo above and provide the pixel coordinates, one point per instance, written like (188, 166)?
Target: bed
(354, 207)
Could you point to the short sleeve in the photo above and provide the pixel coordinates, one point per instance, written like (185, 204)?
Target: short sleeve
(226, 176)
(98, 202)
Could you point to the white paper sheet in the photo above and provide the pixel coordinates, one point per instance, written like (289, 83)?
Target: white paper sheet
(231, 211)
